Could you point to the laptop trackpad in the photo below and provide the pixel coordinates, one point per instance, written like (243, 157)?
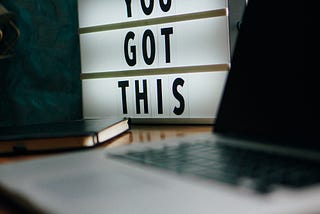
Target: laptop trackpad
(105, 181)
(118, 188)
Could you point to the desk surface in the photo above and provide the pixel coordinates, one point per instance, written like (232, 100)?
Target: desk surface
(137, 134)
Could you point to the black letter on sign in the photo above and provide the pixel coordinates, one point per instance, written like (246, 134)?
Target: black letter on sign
(142, 96)
(166, 32)
(165, 7)
(130, 61)
(147, 10)
(128, 2)
(178, 96)
(160, 102)
(148, 34)
(123, 85)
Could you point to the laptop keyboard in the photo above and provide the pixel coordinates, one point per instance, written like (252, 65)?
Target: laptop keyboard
(257, 170)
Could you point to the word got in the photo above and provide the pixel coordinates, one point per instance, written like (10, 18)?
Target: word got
(148, 54)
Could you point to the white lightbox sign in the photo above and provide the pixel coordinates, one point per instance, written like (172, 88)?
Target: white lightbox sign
(161, 60)
(106, 12)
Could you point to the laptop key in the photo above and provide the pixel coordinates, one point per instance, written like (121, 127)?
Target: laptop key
(256, 170)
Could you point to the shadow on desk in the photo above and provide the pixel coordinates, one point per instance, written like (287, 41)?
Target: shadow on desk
(150, 134)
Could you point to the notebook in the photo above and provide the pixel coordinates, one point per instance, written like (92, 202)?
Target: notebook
(60, 136)
(258, 159)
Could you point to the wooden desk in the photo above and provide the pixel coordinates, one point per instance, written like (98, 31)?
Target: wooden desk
(137, 134)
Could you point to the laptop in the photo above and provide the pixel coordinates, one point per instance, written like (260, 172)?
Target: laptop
(258, 158)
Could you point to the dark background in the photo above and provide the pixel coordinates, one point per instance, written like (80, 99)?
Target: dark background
(41, 83)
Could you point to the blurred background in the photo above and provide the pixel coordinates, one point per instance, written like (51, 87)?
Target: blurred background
(40, 74)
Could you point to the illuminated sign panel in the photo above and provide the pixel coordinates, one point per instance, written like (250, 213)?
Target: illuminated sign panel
(106, 12)
(153, 58)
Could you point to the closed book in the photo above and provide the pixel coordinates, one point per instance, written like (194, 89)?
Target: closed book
(61, 135)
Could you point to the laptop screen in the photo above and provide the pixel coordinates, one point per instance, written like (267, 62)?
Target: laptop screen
(264, 92)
